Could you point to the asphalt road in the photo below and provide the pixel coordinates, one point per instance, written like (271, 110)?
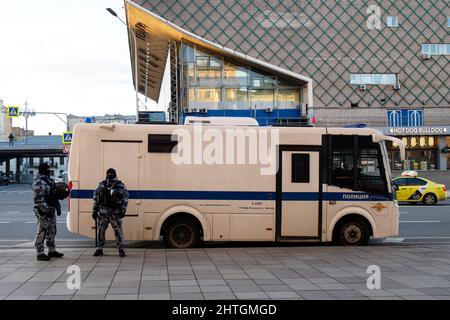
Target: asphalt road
(418, 223)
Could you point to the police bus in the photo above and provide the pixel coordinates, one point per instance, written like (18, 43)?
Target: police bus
(230, 180)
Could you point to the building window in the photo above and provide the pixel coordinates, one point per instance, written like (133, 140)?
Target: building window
(436, 48)
(373, 78)
(392, 21)
(61, 161)
(212, 82)
(405, 118)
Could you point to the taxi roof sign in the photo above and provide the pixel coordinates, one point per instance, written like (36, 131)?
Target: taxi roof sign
(67, 137)
(13, 112)
(409, 173)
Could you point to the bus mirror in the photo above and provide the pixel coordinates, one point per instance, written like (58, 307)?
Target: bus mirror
(399, 142)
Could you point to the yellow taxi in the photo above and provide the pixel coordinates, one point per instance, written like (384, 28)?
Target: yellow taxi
(411, 188)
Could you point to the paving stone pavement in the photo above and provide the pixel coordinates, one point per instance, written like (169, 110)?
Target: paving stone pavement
(294, 272)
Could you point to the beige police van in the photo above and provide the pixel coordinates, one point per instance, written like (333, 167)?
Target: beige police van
(231, 180)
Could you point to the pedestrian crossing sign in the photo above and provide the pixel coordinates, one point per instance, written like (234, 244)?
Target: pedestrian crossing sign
(13, 112)
(67, 137)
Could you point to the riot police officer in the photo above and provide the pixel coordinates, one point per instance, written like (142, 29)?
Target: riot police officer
(110, 206)
(45, 205)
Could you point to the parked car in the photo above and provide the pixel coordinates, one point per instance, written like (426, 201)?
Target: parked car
(4, 180)
(411, 188)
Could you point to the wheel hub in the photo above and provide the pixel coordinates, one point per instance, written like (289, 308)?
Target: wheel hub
(352, 234)
(182, 235)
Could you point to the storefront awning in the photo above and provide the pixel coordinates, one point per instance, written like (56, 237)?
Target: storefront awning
(154, 34)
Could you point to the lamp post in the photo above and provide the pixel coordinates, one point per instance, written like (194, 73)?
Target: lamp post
(114, 14)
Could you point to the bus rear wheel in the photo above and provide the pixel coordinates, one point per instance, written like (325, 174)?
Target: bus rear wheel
(181, 234)
(353, 232)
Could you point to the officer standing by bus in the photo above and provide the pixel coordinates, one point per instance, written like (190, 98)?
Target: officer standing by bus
(110, 206)
(46, 204)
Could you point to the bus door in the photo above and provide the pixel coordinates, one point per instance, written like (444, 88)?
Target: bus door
(125, 157)
(299, 193)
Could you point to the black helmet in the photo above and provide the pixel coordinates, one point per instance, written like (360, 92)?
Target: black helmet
(62, 190)
(117, 195)
(44, 169)
(111, 174)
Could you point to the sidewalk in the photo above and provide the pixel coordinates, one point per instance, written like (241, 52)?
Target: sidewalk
(300, 272)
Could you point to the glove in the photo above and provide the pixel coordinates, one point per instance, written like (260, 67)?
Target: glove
(122, 213)
(95, 215)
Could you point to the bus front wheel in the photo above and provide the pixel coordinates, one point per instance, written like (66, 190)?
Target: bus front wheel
(182, 233)
(354, 232)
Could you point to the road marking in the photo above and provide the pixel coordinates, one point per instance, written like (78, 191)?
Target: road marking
(5, 222)
(427, 238)
(394, 240)
(13, 212)
(36, 221)
(438, 206)
(422, 221)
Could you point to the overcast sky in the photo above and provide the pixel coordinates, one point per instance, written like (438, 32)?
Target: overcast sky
(67, 56)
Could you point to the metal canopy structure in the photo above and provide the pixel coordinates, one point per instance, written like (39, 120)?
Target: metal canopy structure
(155, 36)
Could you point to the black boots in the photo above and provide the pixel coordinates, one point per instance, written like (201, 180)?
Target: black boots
(55, 254)
(98, 252)
(43, 257)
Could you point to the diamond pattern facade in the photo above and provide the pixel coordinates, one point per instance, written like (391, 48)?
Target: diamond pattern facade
(328, 40)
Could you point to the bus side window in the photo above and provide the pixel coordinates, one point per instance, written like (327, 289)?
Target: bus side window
(370, 167)
(162, 143)
(300, 168)
(342, 161)
(356, 163)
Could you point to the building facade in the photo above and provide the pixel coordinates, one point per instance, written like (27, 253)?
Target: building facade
(5, 123)
(382, 64)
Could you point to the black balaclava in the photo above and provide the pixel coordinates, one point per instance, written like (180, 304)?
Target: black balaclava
(44, 169)
(111, 175)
